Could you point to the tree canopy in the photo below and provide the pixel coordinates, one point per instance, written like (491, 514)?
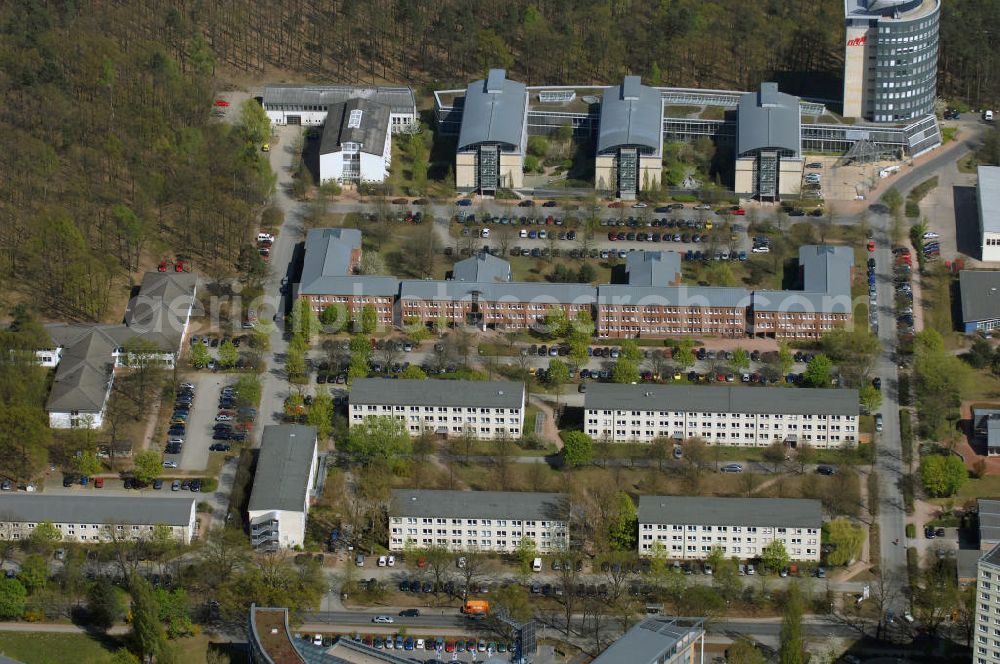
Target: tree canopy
(377, 439)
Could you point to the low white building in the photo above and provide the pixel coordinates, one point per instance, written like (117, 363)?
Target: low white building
(282, 486)
(689, 527)
(357, 142)
(87, 518)
(478, 520)
(988, 194)
(308, 104)
(722, 415)
(482, 409)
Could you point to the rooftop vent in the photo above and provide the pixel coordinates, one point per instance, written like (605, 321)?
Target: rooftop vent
(630, 88)
(274, 630)
(495, 80)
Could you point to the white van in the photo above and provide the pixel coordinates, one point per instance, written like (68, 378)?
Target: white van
(988, 116)
(536, 565)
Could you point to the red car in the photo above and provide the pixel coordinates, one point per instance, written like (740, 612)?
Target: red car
(99, 483)
(616, 204)
(612, 236)
(449, 646)
(740, 211)
(221, 103)
(162, 267)
(179, 266)
(871, 245)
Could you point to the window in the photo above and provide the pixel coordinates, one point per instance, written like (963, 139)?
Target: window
(354, 121)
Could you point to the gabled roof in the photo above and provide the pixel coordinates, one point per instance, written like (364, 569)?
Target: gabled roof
(326, 268)
(435, 392)
(826, 280)
(283, 465)
(479, 504)
(719, 511)
(160, 310)
(631, 114)
(653, 268)
(83, 377)
(369, 131)
(671, 296)
(768, 119)
(493, 112)
(483, 267)
(540, 293)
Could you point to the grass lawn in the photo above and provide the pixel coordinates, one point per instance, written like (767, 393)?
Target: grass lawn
(987, 487)
(48, 648)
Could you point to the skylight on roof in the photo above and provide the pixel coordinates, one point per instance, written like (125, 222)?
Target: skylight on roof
(354, 122)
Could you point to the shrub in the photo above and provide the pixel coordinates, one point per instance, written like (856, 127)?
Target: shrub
(912, 210)
(911, 530)
(685, 198)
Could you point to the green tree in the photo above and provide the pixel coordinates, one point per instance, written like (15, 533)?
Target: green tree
(34, 574)
(870, 398)
(845, 539)
(254, 124)
(684, 354)
(295, 360)
(785, 359)
(377, 439)
(525, 554)
(818, 371)
(106, 604)
(13, 599)
(775, 454)
(774, 557)
(174, 612)
(87, 464)
(943, 475)
(199, 355)
(630, 351)
(334, 317)
(320, 415)
(578, 448)
(149, 638)
(556, 322)
(125, 656)
(622, 529)
(625, 371)
(537, 146)
(893, 199)
(743, 651)
(557, 375)
(369, 319)
(228, 355)
(44, 537)
(741, 359)
(148, 465)
(413, 372)
(792, 645)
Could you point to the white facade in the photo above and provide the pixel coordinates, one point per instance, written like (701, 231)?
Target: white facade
(284, 481)
(747, 527)
(482, 423)
(285, 528)
(398, 122)
(735, 429)
(96, 530)
(351, 164)
(499, 535)
(986, 643)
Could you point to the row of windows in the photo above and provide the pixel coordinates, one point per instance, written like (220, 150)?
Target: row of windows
(477, 522)
(722, 425)
(481, 544)
(632, 434)
(681, 413)
(725, 529)
(442, 409)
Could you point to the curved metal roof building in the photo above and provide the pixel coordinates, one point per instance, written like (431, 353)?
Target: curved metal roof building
(768, 119)
(494, 112)
(631, 115)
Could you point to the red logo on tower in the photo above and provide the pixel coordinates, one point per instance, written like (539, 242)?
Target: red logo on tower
(859, 41)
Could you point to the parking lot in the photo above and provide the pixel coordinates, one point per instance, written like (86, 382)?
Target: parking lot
(194, 452)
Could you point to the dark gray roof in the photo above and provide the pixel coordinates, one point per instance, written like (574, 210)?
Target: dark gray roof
(988, 191)
(679, 296)
(631, 114)
(826, 281)
(482, 267)
(283, 466)
(768, 119)
(161, 308)
(83, 508)
(85, 369)
(715, 511)
(980, 291)
(719, 399)
(370, 133)
(517, 291)
(399, 100)
(653, 268)
(494, 111)
(327, 265)
(479, 504)
(653, 640)
(967, 562)
(470, 393)
(992, 556)
(989, 521)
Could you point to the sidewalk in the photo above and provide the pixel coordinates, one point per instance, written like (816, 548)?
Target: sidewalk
(56, 628)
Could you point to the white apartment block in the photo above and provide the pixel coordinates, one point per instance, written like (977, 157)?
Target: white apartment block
(282, 487)
(689, 527)
(92, 519)
(483, 409)
(494, 521)
(986, 644)
(735, 416)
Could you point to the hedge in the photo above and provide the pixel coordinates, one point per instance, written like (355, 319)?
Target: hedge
(911, 530)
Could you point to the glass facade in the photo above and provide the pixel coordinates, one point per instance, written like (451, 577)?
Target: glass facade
(903, 64)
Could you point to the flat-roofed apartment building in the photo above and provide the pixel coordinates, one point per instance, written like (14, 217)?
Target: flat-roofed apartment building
(823, 303)
(478, 520)
(987, 634)
(736, 416)
(329, 276)
(689, 527)
(93, 519)
(482, 409)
